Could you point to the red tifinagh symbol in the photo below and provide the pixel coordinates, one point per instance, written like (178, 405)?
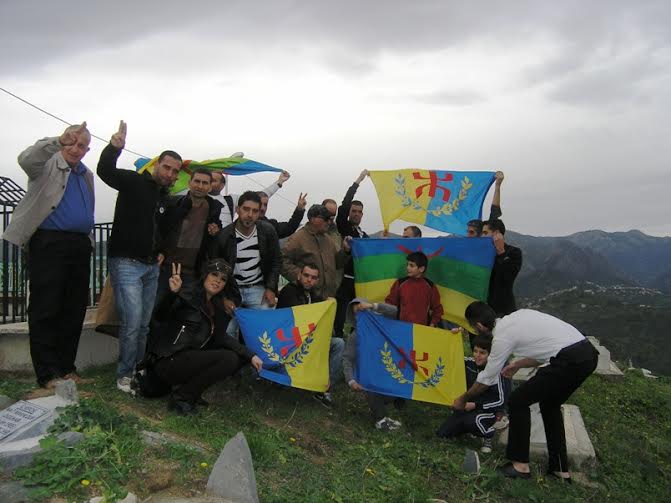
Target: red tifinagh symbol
(433, 184)
(295, 340)
(413, 361)
(408, 251)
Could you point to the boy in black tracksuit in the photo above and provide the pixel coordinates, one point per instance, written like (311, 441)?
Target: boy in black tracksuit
(479, 416)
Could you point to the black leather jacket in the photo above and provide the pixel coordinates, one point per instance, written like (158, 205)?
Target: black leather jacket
(180, 323)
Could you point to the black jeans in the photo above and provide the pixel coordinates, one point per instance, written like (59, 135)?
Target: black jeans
(194, 370)
(550, 387)
(344, 296)
(59, 265)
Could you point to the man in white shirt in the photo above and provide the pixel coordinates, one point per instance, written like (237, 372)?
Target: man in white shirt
(230, 201)
(536, 338)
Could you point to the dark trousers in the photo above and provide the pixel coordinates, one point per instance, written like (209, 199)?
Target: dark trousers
(477, 422)
(550, 387)
(193, 371)
(59, 266)
(378, 404)
(344, 295)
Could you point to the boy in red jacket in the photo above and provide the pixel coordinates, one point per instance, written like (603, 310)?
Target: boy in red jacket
(416, 297)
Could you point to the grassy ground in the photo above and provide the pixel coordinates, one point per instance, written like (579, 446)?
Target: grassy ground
(303, 451)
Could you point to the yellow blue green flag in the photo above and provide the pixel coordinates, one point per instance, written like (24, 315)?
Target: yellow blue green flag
(292, 342)
(410, 361)
(459, 267)
(442, 200)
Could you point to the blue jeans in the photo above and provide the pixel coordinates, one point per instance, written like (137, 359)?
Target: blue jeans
(252, 298)
(134, 284)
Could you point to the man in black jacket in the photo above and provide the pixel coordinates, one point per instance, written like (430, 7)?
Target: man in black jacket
(188, 227)
(133, 258)
(284, 229)
(348, 221)
(507, 265)
(252, 248)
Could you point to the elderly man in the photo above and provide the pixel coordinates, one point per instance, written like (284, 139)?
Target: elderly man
(133, 256)
(311, 244)
(55, 220)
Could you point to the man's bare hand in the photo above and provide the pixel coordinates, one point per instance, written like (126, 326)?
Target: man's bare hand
(269, 297)
(118, 139)
(499, 242)
(509, 370)
(355, 386)
(302, 201)
(499, 177)
(469, 406)
(257, 363)
(347, 244)
(284, 176)
(70, 135)
(459, 403)
(159, 259)
(362, 175)
(213, 229)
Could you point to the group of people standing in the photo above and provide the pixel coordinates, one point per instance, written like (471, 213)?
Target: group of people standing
(180, 266)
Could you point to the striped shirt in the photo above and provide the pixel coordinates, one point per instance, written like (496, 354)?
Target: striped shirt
(247, 269)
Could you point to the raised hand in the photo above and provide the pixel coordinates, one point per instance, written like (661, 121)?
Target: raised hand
(302, 201)
(499, 177)
(71, 133)
(284, 176)
(118, 139)
(362, 175)
(175, 281)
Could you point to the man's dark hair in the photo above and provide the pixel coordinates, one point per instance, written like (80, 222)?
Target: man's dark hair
(311, 265)
(357, 203)
(416, 231)
(329, 201)
(319, 211)
(170, 153)
(483, 342)
(479, 312)
(201, 171)
(418, 258)
(496, 225)
(477, 225)
(250, 195)
(262, 194)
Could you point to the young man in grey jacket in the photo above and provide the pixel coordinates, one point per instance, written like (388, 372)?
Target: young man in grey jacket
(54, 221)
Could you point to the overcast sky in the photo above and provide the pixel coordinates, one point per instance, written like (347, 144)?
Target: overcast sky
(570, 99)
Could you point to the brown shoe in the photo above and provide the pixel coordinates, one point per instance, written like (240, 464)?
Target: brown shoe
(78, 379)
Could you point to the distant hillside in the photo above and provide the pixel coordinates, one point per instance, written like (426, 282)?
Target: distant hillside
(632, 322)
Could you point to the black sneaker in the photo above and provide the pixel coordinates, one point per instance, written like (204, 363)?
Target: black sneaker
(181, 407)
(325, 399)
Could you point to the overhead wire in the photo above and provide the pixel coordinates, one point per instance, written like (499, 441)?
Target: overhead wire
(105, 141)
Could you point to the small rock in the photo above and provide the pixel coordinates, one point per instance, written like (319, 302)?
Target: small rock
(5, 402)
(471, 462)
(233, 476)
(67, 390)
(13, 492)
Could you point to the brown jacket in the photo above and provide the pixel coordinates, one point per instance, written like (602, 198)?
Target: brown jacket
(306, 246)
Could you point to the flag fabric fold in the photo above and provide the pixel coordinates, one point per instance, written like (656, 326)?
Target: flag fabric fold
(407, 360)
(292, 342)
(459, 267)
(229, 165)
(442, 200)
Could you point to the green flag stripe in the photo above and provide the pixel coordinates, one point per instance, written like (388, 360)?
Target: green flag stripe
(469, 279)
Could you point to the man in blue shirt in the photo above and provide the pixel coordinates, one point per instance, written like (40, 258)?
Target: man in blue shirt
(54, 220)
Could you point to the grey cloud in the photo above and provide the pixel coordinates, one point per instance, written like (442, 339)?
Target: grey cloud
(448, 97)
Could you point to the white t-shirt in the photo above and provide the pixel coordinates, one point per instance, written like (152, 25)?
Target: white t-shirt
(247, 270)
(526, 334)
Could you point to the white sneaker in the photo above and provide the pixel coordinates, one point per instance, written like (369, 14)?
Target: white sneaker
(123, 384)
(486, 446)
(501, 424)
(387, 424)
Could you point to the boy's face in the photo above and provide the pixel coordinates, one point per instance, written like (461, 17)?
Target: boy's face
(480, 356)
(414, 271)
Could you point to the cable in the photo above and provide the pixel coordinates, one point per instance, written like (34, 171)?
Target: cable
(105, 141)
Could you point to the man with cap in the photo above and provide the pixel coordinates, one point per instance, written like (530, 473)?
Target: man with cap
(311, 244)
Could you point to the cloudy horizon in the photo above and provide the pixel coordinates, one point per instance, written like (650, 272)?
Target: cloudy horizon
(569, 99)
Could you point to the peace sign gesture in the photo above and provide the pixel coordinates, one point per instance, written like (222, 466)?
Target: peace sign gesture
(119, 138)
(302, 200)
(71, 133)
(175, 281)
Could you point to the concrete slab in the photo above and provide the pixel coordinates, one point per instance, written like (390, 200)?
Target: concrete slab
(578, 444)
(94, 348)
(605, 365)
(21, 453)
